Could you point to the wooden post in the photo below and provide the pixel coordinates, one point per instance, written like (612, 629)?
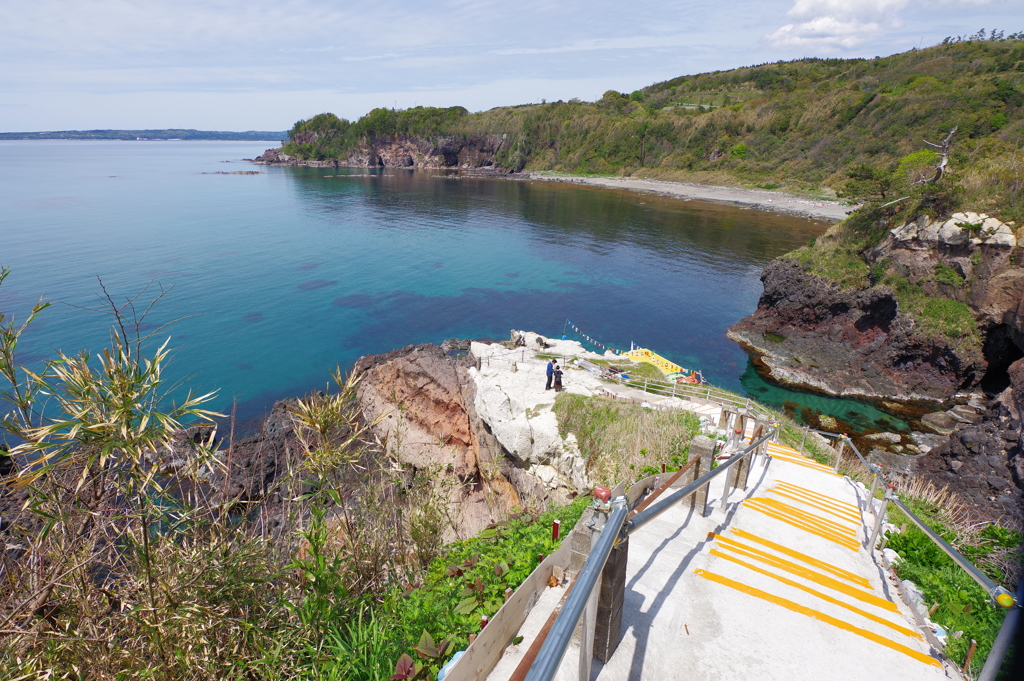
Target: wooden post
(970, 655)
(705, 448)
(608, 629)
(589, 619)
(839, 453)
(723, 418)
(743, 467)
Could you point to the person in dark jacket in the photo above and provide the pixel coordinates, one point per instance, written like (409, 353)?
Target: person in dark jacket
(558, 379)
(551, 373)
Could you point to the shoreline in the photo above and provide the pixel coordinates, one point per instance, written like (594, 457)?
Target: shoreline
(759, 199)
(756, 199)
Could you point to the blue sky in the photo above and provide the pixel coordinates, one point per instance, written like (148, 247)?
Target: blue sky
(263, 64)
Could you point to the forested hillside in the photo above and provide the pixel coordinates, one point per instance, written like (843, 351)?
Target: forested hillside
(792, 125)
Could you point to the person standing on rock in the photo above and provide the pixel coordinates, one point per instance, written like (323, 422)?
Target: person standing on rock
(558, 378)
(551, 373)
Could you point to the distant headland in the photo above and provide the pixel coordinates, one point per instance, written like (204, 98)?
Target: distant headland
(146, 135)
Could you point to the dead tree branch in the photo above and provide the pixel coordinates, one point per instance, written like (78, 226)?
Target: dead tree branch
(943, 152)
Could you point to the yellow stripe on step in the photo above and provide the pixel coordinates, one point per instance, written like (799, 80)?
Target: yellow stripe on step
(820, 616)
(806, 463)
(803, 516)
(810, 575)
(795, 496)
(807, 515)
(838, 571)
(842, 541)
(853, 508)
(818, 594)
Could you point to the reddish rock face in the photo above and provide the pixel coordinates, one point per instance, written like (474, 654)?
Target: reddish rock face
(811, 333)
(423, 397)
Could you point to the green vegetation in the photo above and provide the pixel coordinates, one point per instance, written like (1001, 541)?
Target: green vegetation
(945, 317)
(798, 125)
(122, 567)
(961, 605)
(625, 441)
(163, 134)
(944, 274)
(812, 445)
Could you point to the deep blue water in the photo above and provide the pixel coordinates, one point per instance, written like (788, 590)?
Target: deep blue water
(291, 272)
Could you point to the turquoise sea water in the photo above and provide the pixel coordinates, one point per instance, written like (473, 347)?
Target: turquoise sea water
(281, 276)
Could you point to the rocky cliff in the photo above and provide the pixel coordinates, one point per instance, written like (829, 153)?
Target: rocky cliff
(403, 152)
(879, 340)
(811, 332)
(984, 461)
(425, 400)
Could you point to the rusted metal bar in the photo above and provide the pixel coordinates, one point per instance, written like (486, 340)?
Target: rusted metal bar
(531, 654)
(667, 484)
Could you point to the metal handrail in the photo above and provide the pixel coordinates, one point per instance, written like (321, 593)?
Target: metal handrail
(997, 652)
(706, 392)
(999, 594)
(996, 592)
(557, 642)
(651, 512)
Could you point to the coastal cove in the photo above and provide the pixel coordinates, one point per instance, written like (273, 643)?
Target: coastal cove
(294, 270)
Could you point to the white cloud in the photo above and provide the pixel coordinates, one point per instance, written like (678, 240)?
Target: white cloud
(830, 25)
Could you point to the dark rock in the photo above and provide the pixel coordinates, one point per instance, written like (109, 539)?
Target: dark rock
(454, 151)
(970, 437)
(6, 462)
(965, 414)
(883, 354)
(940, 422)
(998, 483)
(254, 464)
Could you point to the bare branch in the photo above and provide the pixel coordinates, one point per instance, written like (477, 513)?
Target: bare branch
(943, 152)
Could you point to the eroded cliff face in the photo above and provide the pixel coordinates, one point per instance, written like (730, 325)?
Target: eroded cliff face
(424, 398)
(405, 152)
(809, 332)
(982, 462)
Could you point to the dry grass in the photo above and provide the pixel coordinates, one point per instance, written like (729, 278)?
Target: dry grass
(619, 440)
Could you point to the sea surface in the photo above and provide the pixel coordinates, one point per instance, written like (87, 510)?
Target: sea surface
(276, 278)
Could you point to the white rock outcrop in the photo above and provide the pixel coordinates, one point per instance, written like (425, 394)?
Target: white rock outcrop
(511, 398)
(976, 228)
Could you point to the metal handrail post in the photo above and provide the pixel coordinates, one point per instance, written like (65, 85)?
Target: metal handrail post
(997, 593)
(874, 483)
(555, 645)
(803, 441)
(879, 518)
(1002, 643)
